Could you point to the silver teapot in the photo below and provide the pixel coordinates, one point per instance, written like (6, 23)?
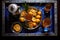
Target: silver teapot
(13, 8)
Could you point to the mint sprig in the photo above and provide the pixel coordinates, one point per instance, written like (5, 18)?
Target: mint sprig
(25, 6)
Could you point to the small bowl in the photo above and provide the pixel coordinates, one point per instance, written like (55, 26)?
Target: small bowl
(14, 30)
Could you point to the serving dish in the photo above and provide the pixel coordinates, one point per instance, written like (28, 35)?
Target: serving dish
(30, 18)
(10, 19)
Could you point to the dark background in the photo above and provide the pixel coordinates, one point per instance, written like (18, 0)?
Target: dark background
(58, 6)
(58, 12)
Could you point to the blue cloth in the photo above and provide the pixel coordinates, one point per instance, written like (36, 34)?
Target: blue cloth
(41, 8)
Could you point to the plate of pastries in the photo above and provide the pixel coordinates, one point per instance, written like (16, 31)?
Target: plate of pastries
(31, 17)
